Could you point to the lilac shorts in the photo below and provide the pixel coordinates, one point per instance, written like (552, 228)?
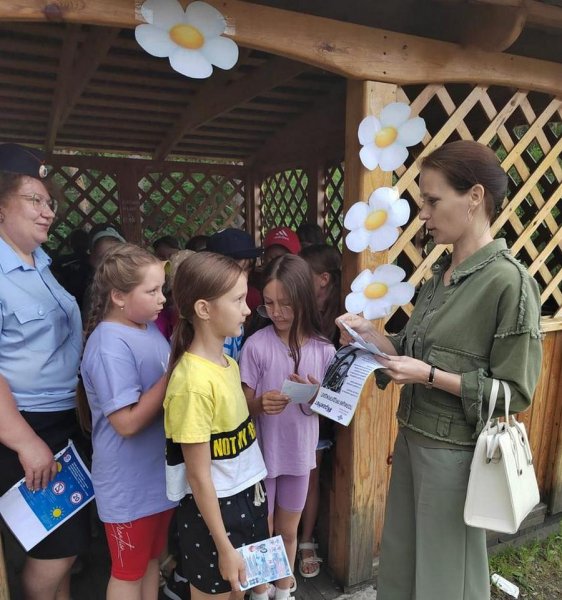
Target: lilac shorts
(287, 491)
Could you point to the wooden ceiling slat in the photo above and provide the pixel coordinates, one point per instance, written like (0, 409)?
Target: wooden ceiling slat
(221, 142)
(120, 102)
(28, 83)
(24, 96)
(39, 109)
(91, 113)
(170, 97)
(230, 122)
(247, 114)
(11, 115)
(107, 132)
(148, 80)
(31, 66)
(230, 134)
(115, 124)
(259, 104)
(10, 45)
(106, 142)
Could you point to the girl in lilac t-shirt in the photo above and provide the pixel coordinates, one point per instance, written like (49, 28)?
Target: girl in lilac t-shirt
(123, 371)
(287, 433)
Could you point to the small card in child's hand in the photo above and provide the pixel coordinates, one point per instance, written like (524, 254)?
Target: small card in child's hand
(265, 561)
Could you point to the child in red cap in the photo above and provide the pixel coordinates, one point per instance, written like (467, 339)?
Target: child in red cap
(279, 241)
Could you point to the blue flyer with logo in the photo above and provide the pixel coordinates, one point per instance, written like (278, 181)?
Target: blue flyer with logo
(33, 515)
(265, 561)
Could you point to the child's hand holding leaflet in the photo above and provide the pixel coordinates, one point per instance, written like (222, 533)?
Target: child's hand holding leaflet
(300, 392)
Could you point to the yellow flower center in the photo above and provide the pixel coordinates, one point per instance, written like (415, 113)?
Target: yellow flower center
(375, 290)
(187, 36)
(375, 219)
(386, 136)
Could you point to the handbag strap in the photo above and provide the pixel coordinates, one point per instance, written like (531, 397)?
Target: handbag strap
(507, 398)
(492, 401)
(494, 397)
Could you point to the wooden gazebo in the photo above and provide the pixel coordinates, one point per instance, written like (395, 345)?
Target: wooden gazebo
(273, 140)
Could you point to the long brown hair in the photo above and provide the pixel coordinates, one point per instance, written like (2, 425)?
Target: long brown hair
(122, 269)
(295, 274)
(326, 259)
(201, 276)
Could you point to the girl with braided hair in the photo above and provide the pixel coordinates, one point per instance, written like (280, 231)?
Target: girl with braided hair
(123, 372)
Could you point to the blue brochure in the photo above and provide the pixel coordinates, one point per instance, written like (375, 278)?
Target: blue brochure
(33, 515)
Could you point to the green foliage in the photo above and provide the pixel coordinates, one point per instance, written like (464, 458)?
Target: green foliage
(535, 567)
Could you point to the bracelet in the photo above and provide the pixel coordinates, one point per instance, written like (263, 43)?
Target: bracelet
(431, 378)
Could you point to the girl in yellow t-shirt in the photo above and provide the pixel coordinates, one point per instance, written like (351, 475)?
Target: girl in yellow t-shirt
(222, 503)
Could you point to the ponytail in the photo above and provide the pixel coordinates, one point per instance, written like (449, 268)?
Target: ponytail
(120, 269)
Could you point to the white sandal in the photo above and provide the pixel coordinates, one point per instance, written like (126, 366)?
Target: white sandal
(309, 559)
(271, 589)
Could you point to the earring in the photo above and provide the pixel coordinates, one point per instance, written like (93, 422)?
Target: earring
(122, 307)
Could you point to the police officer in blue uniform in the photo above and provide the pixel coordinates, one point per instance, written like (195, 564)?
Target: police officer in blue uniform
(40, 348)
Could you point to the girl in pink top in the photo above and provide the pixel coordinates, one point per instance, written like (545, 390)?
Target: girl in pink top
(291, 347)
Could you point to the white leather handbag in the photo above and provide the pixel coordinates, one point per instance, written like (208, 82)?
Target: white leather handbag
(502, 487)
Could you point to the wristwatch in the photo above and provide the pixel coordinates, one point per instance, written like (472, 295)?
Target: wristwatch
(431, 379)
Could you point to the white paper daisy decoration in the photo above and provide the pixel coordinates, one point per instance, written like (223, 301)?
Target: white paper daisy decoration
(385, 139)
(375, 224)
(191, 39)
(374, 293)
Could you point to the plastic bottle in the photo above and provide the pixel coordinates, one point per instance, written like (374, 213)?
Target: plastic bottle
(505, 586)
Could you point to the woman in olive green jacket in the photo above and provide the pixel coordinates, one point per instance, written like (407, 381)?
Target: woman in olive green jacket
(476, 319)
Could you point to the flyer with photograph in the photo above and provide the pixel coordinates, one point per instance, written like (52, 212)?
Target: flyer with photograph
(341, 388)
(265, 561)
(32, 516)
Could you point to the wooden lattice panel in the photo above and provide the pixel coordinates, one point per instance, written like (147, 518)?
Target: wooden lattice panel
(185, 204)
(525, 130)
(283, 200)
(89, 197)
(333, 205)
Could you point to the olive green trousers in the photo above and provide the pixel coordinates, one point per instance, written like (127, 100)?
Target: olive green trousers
(427, 551)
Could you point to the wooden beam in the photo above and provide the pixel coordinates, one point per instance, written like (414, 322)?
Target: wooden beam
(94, 49)
(64, 80)
(353, 51)
(543, 16)
(492, 27)
(538, 14)
(361, 468)
(217, 98)
(114, 164)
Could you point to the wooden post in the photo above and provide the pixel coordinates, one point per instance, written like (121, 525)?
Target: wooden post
(4, 589)
(361, 468)
(316, 181)
(129, 204)
(252, 209)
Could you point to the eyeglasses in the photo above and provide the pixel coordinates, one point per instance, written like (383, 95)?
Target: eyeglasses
(266, 310)
(40, 203)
